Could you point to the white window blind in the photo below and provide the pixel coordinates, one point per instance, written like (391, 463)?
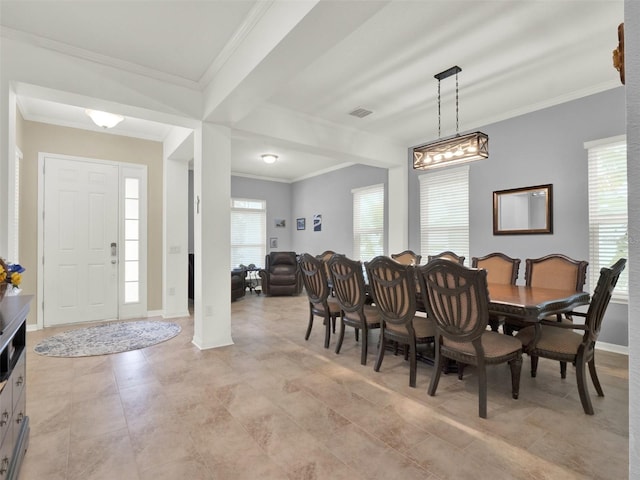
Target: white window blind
(248, 232)
(444, 212)
(608, 232)
(368, 222)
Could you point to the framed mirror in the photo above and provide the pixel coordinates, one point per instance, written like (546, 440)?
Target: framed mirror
(524, 210)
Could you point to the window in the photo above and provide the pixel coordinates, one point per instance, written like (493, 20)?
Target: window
(368, 222)
(248, 232)
(608, 233)
(131, 240)
(444, 212)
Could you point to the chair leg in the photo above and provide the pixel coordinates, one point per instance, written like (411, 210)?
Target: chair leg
(582, 386)
(516, 369)
(594, 377)
(461, 370)
(327, 331)
(340, 337)
(494, 323)
(380, 355)
(306, 337)
(413, 364)
(365, 346)
(563, 369)
(482, 391)
(357, 334)
(333, 323)
(534, 365)
(437, 369)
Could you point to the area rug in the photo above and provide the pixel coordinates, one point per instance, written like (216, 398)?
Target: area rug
(108, 338)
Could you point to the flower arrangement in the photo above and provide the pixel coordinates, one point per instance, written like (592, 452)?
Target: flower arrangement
(10, 275)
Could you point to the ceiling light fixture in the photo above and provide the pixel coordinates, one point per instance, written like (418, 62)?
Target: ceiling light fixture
(453, 150)
(269, 158)
(104, 119)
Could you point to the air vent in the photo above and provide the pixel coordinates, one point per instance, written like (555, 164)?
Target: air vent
(360, 112)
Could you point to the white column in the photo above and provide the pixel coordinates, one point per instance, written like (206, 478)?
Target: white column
(175, 299)
(7, 168)
(212, 236)
(398, 220)
(632, 71)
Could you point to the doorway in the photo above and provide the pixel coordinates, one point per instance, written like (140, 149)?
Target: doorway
(93, 240)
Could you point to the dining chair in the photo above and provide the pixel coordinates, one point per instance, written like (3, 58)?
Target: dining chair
(448, 255)
(551, 271)
(350, 291)
(324, 258)
(501, 269)
(560, 341)
(314, 277)
(408, 257)
(393, 287)
(457, 298)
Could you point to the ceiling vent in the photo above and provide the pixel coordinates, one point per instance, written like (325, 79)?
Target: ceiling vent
(360, 112)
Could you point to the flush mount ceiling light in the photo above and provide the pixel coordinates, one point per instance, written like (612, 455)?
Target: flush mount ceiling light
(269, 158)
(452, 150)
(104, 119)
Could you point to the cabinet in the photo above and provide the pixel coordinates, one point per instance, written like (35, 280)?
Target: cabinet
(14, 423)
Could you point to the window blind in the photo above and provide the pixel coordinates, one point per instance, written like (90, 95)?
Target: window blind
(368, 222)
(608, 232)
(444, 212)
(248, 232)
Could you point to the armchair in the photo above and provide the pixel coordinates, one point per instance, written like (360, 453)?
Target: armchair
(281, 274)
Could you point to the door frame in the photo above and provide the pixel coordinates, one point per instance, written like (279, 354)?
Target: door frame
(138, 309)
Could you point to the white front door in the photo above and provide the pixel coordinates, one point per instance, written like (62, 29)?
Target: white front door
(80, 241)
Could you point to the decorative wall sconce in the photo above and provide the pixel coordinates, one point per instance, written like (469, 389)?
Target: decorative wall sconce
(618, 53)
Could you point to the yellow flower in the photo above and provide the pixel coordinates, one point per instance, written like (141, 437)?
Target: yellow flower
(3, 274)
(16, 279)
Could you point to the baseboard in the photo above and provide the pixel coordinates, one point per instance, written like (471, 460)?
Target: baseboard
(32, 327)
(175, 314)
(155, 313)
(612, 347)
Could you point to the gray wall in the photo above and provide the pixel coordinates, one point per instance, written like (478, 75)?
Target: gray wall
(330, 195)
(542, 147)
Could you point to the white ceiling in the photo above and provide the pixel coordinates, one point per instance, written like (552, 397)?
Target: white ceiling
(516, 57)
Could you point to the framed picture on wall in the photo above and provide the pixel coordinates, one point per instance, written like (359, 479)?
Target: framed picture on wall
(317, 222)
(280, 222)
(273, 242)
(300, 223)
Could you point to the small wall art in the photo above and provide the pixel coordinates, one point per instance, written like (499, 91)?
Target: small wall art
(317, 222)
(273, 242)
(280, 223)
(300, 223)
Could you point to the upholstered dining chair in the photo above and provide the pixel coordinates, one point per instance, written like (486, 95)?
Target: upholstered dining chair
(560, 341)
(457, 298)
(350, 291)
(551, 271)
(408, 257)
(314, 277)
(500, 269)
(393, 287)
(448, 255)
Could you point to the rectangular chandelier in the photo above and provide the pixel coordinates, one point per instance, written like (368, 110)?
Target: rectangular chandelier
(451, 151)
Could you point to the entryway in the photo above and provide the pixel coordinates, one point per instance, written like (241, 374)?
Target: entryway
(93, 240)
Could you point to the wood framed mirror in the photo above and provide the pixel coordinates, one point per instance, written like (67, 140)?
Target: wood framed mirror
(526, 210)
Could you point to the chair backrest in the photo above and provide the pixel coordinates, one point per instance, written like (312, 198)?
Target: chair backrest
(500, 268)
(280, 258)
(448, 255)
(314, 277)
(556, 271)
(393, 288)
(456, 297)
(601, 297)
(408, 257)
(324, 258)
(348, 282)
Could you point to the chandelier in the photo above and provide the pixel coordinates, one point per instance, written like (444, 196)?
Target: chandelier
(452, 150)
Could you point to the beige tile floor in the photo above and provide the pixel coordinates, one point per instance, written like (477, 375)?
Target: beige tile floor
(273, 406)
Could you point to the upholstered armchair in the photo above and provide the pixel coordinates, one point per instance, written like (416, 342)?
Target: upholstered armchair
(238, 285)
(281, 275)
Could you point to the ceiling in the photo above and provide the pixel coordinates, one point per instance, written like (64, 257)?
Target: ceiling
(516, 57)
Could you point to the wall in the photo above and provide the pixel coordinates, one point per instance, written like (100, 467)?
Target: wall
(41, 137)
(330, 195)
(542, 147)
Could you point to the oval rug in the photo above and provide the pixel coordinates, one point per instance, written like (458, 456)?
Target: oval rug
(108, 338)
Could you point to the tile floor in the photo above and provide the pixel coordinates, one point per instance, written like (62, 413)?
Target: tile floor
(273, 406)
